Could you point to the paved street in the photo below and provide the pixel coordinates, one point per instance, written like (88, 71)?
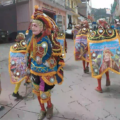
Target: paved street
(75, 99)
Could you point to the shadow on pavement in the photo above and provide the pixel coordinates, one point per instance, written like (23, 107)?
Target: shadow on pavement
(112, 91)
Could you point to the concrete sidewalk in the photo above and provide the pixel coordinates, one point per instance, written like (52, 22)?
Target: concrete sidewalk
(75, 99)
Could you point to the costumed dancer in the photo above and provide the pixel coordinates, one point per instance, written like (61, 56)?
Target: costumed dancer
(80, 43)
(18, 64)
(104, 52)
(45, 68)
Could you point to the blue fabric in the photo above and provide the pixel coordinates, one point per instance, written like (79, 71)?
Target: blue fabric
(59, 80)
(41, 68)
(55, 18)
(94, 23)
(112, 27)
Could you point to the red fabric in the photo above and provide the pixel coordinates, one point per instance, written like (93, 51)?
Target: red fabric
(86, 48)
(87, 64)
(107, 75)
(41, 105)
(49, 104)
(83, 64)
(99, 85)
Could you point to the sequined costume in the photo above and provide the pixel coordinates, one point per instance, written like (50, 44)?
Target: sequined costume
(45, 62)
(62, 40)
(104, 52)
(18, 63)
(80, 45)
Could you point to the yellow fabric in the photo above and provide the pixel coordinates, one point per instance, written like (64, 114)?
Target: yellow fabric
(36, 89)
(48, 94)
(37, 92)
(17, 86)
(41, 74)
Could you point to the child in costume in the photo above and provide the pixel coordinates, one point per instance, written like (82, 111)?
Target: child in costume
(81, 45)
(46, 68)
(17, 64)
(104, 52)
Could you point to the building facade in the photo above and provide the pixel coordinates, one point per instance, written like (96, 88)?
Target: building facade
(84, 9)
(55, 9)
(20, 12)
(64, 12)
(72, 13)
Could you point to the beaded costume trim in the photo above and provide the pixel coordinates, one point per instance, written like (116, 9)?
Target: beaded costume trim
(102, 34)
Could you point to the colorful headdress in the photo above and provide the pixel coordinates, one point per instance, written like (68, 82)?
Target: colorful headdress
(39, 17)
(85, 24)
(54, 26)
(102, 23)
